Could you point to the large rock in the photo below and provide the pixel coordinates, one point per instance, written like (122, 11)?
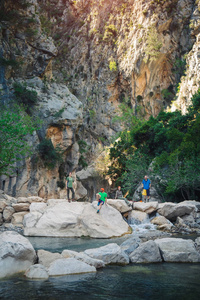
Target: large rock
(38, 207)
(110, 254)
(7, 213)
(75, 219)
(160, 220)
(30, 199)
(18, 207)
(120, 205)
(171, 210)
(67, 266)
(97, 263)
(17, 218)
(46, 258)
(130, 245)
(147, 252)
(146, 207)
(178, 250)
(16, 253)
(37, 272)
(138, 217)
(2, 205)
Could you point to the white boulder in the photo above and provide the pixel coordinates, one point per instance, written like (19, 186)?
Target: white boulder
(67, 266)
(37, 272)
(147, 252)
(46, 258)
(97, 263)
(110, 254)
(148, 207)
(138, 217)
(178, 250)
(16, 253)
(75, 219)
(171, 210)
(120, 205)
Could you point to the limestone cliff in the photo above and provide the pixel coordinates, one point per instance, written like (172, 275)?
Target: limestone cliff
(84, 58)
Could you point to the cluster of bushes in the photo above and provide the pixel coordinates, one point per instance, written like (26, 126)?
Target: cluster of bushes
(169, 144)
(49, 155)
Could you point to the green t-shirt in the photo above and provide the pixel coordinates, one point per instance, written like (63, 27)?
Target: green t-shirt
(70, 182)
(103, 196)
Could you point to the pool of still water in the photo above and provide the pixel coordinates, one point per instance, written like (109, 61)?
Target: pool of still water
(170, 281)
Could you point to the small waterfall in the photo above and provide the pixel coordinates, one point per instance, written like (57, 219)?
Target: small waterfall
(141, 226)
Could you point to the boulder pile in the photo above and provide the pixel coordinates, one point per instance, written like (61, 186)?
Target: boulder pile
(17, 255)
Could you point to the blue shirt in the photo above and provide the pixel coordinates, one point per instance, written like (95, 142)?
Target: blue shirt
(146, 184)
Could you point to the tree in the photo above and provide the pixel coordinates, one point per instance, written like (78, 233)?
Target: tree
(15, 126)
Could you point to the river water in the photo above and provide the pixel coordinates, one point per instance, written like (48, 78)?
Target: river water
(170, 281)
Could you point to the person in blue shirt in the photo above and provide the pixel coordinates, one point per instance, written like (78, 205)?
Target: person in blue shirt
(146, 186)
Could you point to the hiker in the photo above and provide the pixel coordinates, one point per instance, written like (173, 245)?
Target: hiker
(119, 195)
(69, 186)
(101, 198)
(146, 188)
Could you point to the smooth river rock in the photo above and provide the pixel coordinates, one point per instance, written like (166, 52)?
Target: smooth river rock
(46, 258)
(148, 207)
(171, 210)
(147, 252)
(97, 263)
(110, 254)
(138, 217)
(130, 245)
(178, 250)
(67, 266)
(16, 253)
(120, 205)
(37, 272)
(63, 219)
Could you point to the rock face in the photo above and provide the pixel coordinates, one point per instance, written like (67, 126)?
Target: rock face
(16, 253)
(75, 219)
(67, 266)
(147, 252)
(110, 254)
(178, 250)
(124, 51)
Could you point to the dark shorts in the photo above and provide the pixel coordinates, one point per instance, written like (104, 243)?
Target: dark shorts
(99, 202)
(148, 192)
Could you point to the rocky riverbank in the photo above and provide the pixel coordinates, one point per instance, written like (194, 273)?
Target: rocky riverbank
(18, 255)
(35, 216)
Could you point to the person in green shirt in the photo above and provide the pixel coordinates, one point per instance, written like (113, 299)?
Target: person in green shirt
(69, 186)
(101, 198)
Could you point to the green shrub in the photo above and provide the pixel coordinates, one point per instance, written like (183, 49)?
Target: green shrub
(153, 44)
(83, 148)
(8, 62)
(27, 98)
(49, 155)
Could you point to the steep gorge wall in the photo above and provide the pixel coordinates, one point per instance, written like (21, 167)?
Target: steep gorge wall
(104, 52)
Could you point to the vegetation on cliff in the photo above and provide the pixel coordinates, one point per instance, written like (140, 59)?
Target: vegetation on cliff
(15, 126)
(167, 148)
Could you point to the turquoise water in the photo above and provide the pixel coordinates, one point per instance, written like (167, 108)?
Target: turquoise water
(153, 281)
(135, 282)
